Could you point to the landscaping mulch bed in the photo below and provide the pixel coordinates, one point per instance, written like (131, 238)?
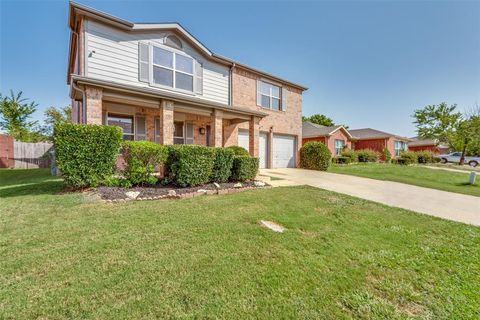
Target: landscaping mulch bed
(117, 194)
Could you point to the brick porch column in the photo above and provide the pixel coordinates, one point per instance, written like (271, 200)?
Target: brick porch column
(270, 149)
(93, 100)
(253, 135)
(217, 128)
(166, 122)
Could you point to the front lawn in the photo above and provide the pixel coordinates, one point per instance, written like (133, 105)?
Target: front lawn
(69, 256)
(416, 175)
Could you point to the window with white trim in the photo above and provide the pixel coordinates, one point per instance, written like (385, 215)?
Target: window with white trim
(172, 69)
(270, 97)
(123, 121)
(339, 145)
(399, 147)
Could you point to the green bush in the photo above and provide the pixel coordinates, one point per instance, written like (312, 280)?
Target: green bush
(350, 154)
(115, 181)
(222, 165)
(343, 160)
(436, 159)
(142, 157)
(409, 156)
(239, 151)
(190, 165)
(367, 155)
(387, 156)
(244, 168)
(86, 154)
(315, 155)
(425, 156)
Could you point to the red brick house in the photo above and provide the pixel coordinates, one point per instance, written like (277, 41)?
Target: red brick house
(432, 145)
(159, 83)
(378, 140)
(336, 138)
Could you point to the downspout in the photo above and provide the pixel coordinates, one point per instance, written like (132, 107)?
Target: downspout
(230, 86)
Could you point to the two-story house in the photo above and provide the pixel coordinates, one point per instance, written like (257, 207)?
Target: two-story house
(160, 83)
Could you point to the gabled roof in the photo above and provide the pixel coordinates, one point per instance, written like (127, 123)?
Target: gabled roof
(369, 133)
(77, 9)
(310, 130)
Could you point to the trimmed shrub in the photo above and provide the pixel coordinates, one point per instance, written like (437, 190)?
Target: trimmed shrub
(425, 156)
(436, 159)
(367, 155)
(315, 155)
(350, 154)
(114, 181)
(86, 154)
(222, 164)
(142, 157)
(244, 168)
(387, 156)
(239, 151)
(190, 165)
(409, 156)
(343, 160)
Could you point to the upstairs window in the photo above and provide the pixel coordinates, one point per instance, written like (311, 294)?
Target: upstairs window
(269, 96)
(172, 69)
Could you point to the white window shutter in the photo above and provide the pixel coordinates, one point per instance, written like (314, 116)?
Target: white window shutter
(284, 99)
(143, 61)
(259, 96)
(198, 78)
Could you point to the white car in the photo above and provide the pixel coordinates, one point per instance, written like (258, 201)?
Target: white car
(455, 158)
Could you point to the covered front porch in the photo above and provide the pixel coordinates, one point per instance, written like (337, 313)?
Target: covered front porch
(168, 121)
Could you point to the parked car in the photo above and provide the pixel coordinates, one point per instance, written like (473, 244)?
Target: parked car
(455, 158)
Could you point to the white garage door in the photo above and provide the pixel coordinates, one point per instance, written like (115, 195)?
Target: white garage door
(283, 151)
(243, 140)
(263, 148)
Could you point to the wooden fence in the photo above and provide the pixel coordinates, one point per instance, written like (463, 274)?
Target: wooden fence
(24, 155)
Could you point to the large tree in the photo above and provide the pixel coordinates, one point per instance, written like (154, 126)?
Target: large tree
(15, 117)
(449, 126)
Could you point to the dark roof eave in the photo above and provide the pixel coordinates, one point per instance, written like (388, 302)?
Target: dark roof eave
(165, 95)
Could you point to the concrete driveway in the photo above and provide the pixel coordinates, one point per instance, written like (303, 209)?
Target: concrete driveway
(443, 204)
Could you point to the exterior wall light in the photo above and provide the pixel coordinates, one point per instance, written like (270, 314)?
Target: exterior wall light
(202, 131)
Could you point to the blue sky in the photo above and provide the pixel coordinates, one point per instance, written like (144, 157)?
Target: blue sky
(367, 64)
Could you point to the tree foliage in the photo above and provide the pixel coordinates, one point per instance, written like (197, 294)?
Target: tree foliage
(449, 126)
(54, 116)
(321, 119)
(15, 115)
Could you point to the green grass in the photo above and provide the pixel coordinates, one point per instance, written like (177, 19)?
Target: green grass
(416, 175)
(66, 256)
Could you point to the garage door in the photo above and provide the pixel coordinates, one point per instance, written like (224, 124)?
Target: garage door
(283, 151)
(243, 139)
(263, 149)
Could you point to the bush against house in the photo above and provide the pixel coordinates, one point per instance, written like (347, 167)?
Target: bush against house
(222, 164)
(367, 155)
(86, 154)
(142, 158)
(190, 165)
(349, 155)
(387, 156)
(315, 155)
(244, 168)
(239, 151)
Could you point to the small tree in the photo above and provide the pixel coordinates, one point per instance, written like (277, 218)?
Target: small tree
(387, 156)
(15, 114)
(444, 123)
(320, 119)
(54, 116)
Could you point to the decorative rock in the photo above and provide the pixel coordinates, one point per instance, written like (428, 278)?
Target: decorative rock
(216, 185)
(259, 184)
(132, 194)
(202, 191)
(237, 185)
(172, 193)
(272, 226)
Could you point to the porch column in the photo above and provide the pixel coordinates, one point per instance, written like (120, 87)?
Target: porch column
(217, 128)
(166, 122)
(253, 135)
(93, 104)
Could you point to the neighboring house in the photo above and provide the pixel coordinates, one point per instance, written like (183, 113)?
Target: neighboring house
(336, 138)
(432, 145)
(378, 140)
(159, 83)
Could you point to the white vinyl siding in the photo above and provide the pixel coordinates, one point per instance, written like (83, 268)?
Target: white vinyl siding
(113, 55)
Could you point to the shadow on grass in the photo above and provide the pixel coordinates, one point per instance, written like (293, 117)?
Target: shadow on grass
(42, 188)
(467, 184)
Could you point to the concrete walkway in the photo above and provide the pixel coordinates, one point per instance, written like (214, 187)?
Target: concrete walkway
(443, 204)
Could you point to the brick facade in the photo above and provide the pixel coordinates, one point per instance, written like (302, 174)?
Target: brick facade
(7, 157)
(93, 97)
(330, 140)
